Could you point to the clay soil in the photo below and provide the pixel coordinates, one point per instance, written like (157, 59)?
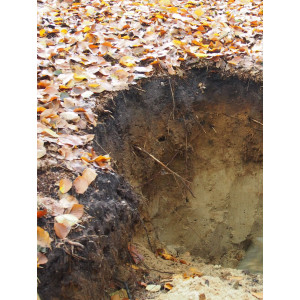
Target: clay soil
(187, 159)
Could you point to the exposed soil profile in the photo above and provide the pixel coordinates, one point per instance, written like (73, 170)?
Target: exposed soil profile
(191, 148)
(209, 133)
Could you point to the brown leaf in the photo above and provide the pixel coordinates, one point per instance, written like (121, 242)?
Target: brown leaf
(77, 210)
(61, 230)
(41, 258)
(65, 185)
(89, 175)
(80, 184)
(43, 238)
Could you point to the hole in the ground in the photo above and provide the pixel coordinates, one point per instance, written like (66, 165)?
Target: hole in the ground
(196, 159)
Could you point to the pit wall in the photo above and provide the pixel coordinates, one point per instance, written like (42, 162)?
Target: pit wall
(207, 130)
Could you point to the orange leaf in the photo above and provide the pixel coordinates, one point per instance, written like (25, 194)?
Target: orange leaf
(79, 109)
(41, 213)
(80, 184)
(43, 238)
(107, 44)
(40, 109)
(65, 185)
(168, 286)
(77, 210)
(61, 230)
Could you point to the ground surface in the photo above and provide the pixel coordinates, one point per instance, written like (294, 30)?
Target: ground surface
(88, 52)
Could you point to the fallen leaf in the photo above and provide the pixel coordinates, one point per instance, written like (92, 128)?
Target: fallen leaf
(153, 288)
(168, 286)
(127, 61)
(137, 258)
(65, 185)
(80, 184)
(89, 175)
(61, 230)
(41, 213)
(49, 132)
(41, 259)
(70, 116)
(43, 238)
(67, 219)
(77, 210)
(67, 201)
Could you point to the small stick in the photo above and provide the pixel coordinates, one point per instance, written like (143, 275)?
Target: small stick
(168, 169)
(256, 121)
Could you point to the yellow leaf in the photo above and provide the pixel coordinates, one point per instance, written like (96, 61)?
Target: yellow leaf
(127, 61)
(64, 31)
(65, 185)
(200, 55)
(172, 9)
(86, 29)
(94, 85)
(198, 12)
(50, 132)
(42, 33)
(43, 238)
(79, 77)
(179, 43)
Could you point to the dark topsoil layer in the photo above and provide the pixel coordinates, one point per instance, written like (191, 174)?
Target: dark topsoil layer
(76, 273)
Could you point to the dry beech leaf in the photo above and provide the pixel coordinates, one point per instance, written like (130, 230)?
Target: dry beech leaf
(61, 230)
(80, 184)
(77, 210)
(65, 185)
(67, 201)
(89, 175)
(43, 238)
(67, 219)
(41, 258)
(127, 61)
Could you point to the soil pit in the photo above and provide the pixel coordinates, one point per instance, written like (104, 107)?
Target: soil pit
(192, 148)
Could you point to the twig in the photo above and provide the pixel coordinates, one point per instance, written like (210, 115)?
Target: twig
(168, 169)
(199, 123)
(256, 121)
(172, 98)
